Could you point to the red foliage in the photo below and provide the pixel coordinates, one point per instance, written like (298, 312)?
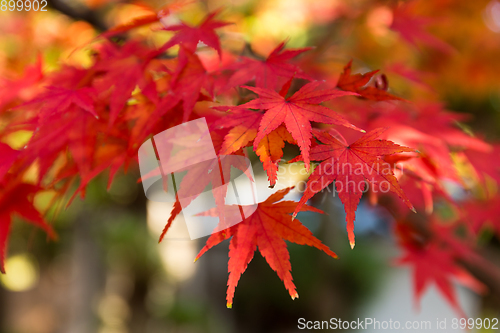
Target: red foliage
(87, 120)
(265, 228)
(350, 166)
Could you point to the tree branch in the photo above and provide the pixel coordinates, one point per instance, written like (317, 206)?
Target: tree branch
(82, 13)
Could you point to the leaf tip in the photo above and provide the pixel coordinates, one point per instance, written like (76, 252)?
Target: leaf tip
(413, 210)
(352, 244)
(295, 295)
(229, 305)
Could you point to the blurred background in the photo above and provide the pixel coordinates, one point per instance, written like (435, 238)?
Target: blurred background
(108, 274)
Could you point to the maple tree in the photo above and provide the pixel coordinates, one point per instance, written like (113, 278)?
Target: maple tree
(350, 128)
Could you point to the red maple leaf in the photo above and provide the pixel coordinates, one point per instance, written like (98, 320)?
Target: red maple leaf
(434, 262)
(350, 166)
(296, 112)
(432, 265)
(190, 36)
(266, 228)
(357, 83)
(17, 198)
(266, 71)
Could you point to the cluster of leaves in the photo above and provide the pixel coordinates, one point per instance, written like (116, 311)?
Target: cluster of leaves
(84, 121)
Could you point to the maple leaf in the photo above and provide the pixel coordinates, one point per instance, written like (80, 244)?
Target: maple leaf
(296, 112)
(357, 83)
(350, 166)
(266, 228)
(190, 36)
(17, 198)
(435, 262)
(432, 265)
(266, 72)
